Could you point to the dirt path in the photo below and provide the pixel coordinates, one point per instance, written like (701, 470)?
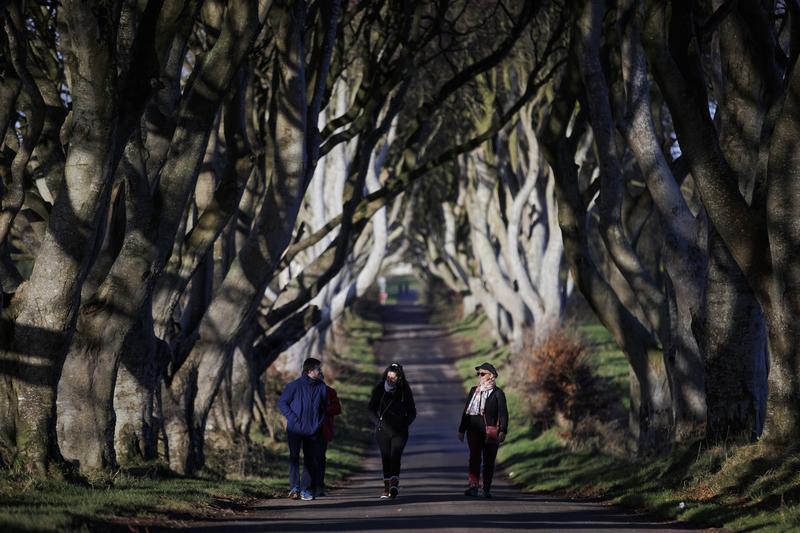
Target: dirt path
(434, 466)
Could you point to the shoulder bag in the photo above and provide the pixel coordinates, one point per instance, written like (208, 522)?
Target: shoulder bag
(492, 432)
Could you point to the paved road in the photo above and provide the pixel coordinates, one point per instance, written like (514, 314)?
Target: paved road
(434, 467)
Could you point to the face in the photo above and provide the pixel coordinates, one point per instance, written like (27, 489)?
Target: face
(484, 375)
(392, 376)
(315, 373)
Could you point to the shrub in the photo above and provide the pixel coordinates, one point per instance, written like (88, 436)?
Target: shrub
(559, 380)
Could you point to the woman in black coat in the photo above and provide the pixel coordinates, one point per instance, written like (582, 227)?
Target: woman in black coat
(485, 423)
(392, 408)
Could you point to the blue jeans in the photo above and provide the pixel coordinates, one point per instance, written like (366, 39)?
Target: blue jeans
(311, 446)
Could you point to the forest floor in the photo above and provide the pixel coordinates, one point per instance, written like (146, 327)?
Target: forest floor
(141, 497)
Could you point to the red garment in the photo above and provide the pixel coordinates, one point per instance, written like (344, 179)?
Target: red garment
(332, 409)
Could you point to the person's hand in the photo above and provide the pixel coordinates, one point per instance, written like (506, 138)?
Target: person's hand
(501, 436)
(461, 437)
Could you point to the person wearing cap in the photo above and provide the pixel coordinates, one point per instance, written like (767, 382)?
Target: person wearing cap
(392, 408)
(485, 424)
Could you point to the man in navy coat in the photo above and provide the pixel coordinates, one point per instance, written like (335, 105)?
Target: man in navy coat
(303, 404)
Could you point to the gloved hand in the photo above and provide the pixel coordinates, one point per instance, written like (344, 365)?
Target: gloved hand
(461, 437)
(501, 436)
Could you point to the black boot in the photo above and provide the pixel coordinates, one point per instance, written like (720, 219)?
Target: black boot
(394, 487)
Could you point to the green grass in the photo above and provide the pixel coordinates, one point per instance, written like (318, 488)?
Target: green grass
(607, 360)
(744, 488)
(50, 505)
(151, 493)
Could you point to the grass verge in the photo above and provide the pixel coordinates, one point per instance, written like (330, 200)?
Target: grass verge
(151, 495)
(743, 488)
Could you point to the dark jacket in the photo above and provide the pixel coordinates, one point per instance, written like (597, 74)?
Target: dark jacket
(495, 409)
(303, 404)
(332, 408)
(396, 409)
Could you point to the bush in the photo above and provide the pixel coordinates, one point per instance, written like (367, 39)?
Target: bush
(562, 389)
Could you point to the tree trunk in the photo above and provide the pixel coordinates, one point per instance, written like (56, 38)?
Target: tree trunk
(243, 388)
(86, 390)
(134, 396)
(734, 343)
(221, 427)
(783, 406)
(478, 198)
(176, 415)
(527, 291)
(651, 418)
(550, 275)
(684, 260)
(47, 310)
(85, 417)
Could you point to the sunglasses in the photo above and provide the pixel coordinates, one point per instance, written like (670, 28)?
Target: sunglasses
(483, 374)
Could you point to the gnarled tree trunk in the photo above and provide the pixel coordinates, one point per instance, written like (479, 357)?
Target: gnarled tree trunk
(47, 307)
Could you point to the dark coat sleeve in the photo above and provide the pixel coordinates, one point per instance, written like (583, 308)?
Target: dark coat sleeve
(284, 404)
(502, 410)
(411, 407)
(374, 403)
(464, 424)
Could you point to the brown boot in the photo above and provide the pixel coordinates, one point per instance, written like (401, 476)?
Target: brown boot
(394, 487)
(386, 485)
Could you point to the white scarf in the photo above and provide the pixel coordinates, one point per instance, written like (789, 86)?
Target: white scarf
(478, 402)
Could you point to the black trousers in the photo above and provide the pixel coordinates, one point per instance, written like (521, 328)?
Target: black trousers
(391, 443)
(310, 446)
(484, 452)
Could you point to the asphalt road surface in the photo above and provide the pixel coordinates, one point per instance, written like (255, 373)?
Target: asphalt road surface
(434, 469)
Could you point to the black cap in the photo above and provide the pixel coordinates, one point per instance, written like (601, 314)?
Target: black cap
(489, 367)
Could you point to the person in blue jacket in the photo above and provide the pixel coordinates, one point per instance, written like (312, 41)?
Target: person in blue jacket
(303, 404)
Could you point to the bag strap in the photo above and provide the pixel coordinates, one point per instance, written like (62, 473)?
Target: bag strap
(381, 414)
